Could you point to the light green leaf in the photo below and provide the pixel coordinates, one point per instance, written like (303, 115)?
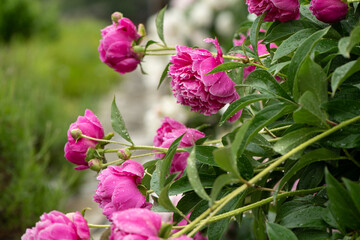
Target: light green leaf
(160, 24)
(225, 159)
(346, 44)
(342, 73)
(278, 232)
(219, 183)
(118, 124)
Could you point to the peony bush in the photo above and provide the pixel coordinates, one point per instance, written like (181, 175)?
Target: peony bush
(286, 161)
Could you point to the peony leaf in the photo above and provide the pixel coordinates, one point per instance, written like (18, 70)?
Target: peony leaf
(342, 73)
(118, 124)
(163, 75)
(226, 66)
(219, 183)
(160, 24)
(254, 34)
(278, 232)
(226, 159)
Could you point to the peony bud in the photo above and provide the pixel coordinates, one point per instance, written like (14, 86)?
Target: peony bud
(329, 11)
(76, 134)
(141, 30)
(124, 154)
(95, 164)
(116, 16)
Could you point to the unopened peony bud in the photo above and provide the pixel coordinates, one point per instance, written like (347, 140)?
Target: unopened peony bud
(76, 134)
(141, 30)
(329, 11)
(116, 16)
(124, 154)
(95, 164)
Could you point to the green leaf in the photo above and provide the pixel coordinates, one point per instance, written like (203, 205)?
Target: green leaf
(183, 185)
(160, 24)
(306, 217)
(354, 191)
(194, 178)
(241, 103)
(309, 111)
(341, 204)
(307, 13)
(293, 139)
(276, 68)
(226, 66)
(219, 183)
(310, 77)
(155, 181)
(346, 44)
(266, 116)
(186, 204)
(226, 159)
(283, 30)
(245, 167)
(263, 81)
(278, 232)
(254, 34)
(163, 75)
(165, 201)
(204, 154)
(118, 124)
(342, 73)
(292, 43)
(166, 162)
(302, 52)
(321, 154)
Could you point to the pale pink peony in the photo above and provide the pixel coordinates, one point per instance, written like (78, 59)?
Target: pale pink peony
(329, 11)
(116, 46)
(75, 150)
(166, 135)
(191, 84)
(137, 224)
(117, 189)
(56, 225)
(261, 51)
(281, 10)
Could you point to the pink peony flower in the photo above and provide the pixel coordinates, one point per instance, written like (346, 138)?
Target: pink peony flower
(56, 225)
(75, 150)
(166, 135)
(329, 11)
(193, 87)
(117, 189)
(116, 46)
(261, 51)
(281, 10)
(137, 224)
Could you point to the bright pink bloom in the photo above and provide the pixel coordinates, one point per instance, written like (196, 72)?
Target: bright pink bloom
(137, 224)
(56, 225)
(191, 84)
(166, 135)
(198, 235)
(75, 150)
(261, 51)
(116, 46)
(329, 11)
(117, 189)
(282, 10)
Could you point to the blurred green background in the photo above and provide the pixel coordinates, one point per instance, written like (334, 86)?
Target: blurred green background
(50, 73)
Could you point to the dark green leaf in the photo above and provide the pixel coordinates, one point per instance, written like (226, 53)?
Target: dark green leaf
(354, 191)
(155, 181)
(292, 43)
(301, 53)
(278, 232)
(165, 201)
(343, 109)
(226, 159)
(306, 217)
(346, 44)
(194, 178)
(160, 24)
(186, 204)
(276, 68)
(204, 154)
(342, 73)
(118, 124)
(226, 66)
(183, 185)
(241, 103)
(341, 204)
(245, 167)
(309, 234)
(219, 183)
(254, 33)
(282, 31)
(163, 75)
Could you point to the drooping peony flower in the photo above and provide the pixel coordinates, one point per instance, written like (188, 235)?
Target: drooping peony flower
(166, 135)
(56, 225)
(116, 46)
(137, 224)
(75, 150)
(192, 86)
(281, 10)
(261, 51)
(117, 189)
(329, 11)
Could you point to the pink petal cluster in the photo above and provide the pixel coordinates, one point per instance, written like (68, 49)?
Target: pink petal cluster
(116, 46)
(75, 150)
(261, 51)
(281, 10)
(117, 189)
(329, 11)
(137, 224)
(166, 135)
(56, 225)
(191, 84)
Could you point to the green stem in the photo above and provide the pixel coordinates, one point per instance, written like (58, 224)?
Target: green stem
(159, 53)
(276, 129)
(98, 226)
(352, 1)
(263, 202)
(164, 150)
(218, 205)
(119, 161)
(212, 142)
(160, 49)
(104, 140)
(144, 155)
